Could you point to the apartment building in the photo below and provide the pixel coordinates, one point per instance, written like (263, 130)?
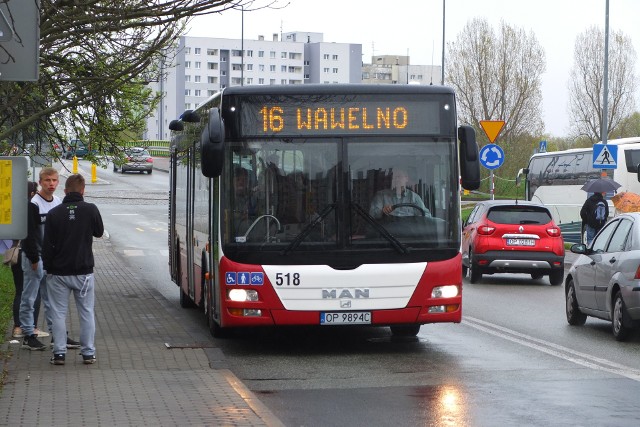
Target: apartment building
(397, 69)
(204, 65)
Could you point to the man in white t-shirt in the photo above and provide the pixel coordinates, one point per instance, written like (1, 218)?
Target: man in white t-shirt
(34, 275)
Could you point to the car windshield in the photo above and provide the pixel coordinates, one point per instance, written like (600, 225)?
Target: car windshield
(519, 215)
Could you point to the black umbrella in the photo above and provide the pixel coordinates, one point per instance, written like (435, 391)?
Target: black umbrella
(601, 185)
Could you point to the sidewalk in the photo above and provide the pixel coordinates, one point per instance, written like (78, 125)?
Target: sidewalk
(150, 370)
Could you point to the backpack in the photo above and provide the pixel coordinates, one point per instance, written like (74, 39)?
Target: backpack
(600, 215)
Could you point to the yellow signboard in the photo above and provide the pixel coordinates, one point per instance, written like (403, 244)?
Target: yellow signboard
(6, 184)
(492, 128)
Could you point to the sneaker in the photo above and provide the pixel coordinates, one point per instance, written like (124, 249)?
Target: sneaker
(40, 333)
(72, 344)
(17, 332)
(31, 342)
(57, 359)
(88, 360)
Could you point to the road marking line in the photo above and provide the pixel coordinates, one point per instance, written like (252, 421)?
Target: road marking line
(133, 252)
(125, 214)
(552, 349)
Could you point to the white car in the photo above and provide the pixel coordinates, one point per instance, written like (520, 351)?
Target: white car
(604, 281)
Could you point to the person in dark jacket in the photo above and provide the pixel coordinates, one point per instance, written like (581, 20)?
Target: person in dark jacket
(34, 276)
(67, 255)
(588, 215)
(18, 281)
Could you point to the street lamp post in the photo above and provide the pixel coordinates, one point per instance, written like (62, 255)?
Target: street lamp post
(442, 81)
(604, 128)
(242, 47)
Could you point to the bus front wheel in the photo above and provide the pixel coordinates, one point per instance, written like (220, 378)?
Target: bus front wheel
(218, 331)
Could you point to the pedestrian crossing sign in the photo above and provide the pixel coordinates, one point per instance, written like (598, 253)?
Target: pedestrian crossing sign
(605, 156)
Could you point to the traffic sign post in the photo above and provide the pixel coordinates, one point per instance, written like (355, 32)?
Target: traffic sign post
(492, 128)
(543, 147)
(491, 157)
(20, 40)
(605, 156)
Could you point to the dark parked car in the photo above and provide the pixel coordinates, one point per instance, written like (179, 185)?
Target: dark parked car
(512, 237)
(135, 159)
(77, 148)
(604, 281)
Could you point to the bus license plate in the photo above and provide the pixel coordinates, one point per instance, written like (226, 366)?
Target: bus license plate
(521, 242)
(343, 318)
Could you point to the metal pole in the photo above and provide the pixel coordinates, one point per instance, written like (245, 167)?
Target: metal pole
(407, 65)
(442, 81)
(242, 48)
(604, 128)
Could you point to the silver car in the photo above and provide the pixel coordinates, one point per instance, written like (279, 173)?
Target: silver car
(604, 281)
(135, 159)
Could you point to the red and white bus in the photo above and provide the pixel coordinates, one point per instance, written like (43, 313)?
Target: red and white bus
(276, 206)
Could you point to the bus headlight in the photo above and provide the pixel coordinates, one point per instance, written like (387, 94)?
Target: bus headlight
(447, 291)
(240, 295)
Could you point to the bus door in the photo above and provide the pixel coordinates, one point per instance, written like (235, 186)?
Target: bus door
(190, 229)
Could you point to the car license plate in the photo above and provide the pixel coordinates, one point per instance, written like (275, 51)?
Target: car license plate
(346, 318)
(521, 242)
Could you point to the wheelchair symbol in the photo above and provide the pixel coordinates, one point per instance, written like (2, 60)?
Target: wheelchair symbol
(230, 278)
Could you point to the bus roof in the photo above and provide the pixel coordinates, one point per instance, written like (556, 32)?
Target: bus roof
(618, 142)
(340, 89)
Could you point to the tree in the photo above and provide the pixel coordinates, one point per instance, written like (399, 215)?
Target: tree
(586, 83)
(497, 77)
(628, 127)
(97, 58)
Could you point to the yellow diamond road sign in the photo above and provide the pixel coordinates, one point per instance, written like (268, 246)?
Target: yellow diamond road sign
(492, 128)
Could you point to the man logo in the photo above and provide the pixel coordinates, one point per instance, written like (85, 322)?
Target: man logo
(345, 293)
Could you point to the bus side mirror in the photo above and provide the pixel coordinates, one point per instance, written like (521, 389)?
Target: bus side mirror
(190, 116)
(176, 125)
(212, 145)
(638, 172)
(469, 159)
(523, 171)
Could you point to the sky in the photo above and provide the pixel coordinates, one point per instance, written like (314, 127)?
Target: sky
(386, 27)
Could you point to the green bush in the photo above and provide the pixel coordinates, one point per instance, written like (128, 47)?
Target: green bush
(7, 291)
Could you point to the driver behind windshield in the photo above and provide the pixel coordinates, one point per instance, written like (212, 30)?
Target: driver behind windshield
(399, 193)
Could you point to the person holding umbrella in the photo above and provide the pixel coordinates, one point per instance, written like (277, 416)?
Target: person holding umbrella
(594, 214)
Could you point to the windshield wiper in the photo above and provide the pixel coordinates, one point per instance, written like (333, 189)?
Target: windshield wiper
(380, 228)
(305, 231)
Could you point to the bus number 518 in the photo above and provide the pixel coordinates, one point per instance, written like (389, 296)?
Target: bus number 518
(287, 279)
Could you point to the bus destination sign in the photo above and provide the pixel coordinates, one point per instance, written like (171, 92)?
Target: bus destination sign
(340, 118)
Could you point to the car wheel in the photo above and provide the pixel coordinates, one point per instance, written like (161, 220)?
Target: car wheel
(536, 276)
(122, 170)
(149, 171)
(556, 276)
(474, 271)
(405, 330)
(620, 332)
(574, 316)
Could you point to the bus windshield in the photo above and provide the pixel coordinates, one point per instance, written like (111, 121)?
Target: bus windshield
(347, 201)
